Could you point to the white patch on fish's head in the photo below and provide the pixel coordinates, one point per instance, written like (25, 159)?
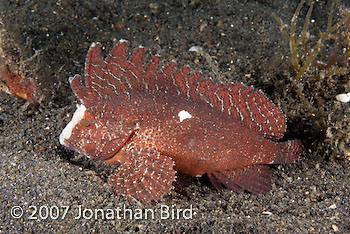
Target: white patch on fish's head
(184, 115)
(67, 131)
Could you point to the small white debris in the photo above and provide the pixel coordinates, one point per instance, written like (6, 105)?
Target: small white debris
(267, 213)
(335, 227)
(184, 115)
(195, 49)
(344, 97)
(334, 206)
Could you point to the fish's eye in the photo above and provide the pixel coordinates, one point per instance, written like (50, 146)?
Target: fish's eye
(133, 124)
(84, 123)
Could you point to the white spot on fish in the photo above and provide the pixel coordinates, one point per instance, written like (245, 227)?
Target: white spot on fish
(184, 115)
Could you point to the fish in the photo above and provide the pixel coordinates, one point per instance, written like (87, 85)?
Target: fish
(155, 122)
(15, 82)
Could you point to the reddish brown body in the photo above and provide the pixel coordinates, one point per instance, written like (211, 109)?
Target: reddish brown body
(204, 143)
(14, 83)
(155, 122)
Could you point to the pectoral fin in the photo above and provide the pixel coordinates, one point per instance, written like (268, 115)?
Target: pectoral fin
(145, 175)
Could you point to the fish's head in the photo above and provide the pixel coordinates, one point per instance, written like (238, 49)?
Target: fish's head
(95, 133)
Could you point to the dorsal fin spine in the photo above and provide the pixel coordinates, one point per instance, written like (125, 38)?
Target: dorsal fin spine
(120, 75)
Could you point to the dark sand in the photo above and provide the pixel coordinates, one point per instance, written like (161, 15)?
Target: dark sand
(38, 175)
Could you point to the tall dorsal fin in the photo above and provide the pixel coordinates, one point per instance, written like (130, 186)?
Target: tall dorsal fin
(121, 76)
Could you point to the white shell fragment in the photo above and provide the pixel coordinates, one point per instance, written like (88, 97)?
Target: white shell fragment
(267, 213)
(195, 49)
(344, 97)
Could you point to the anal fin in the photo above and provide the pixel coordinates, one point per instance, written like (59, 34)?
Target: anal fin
(145, 175)
(254, 179)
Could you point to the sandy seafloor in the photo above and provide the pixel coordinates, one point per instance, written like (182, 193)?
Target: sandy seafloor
(37, 174)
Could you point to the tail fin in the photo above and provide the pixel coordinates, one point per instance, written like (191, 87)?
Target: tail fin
(288, 152)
